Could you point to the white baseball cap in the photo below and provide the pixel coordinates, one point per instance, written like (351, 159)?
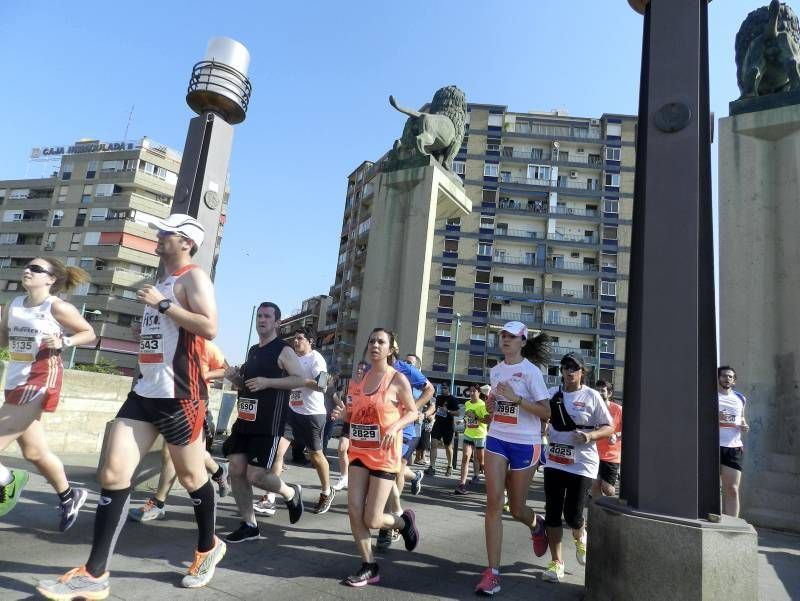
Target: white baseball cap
(182, 224)
(516, 328)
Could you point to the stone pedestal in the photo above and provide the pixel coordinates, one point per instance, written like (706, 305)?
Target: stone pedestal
(634, 556)
(759, 273)
(398, 265)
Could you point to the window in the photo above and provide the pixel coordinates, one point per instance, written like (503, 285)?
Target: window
(614, 129)
(86, 263)
(62, 193)
(66, 171)
(58, 216)
(538, 172)
(485, 250)
(446, 301)
(5, 262)
(459, 167)
(487, 221)
(489, 195)
(611, 206)
(608, 288)
(495, 120)
(441, 358)
(12, 286)
(608, 317)
(475, 362)
(124, 320)
(104, 190)
(609, 233)
(51, 242)
(19, 194)
(613, 153)
(608, 260)
(8, 238)
(98, 215)
(111, 166)
(607, 345)
(477, 333)
(91, 169)
(443, 329)
(451, 245)
(490, 170)
(75, 242)
(92, 239)
(454, 221)
(86, 197)
(363, 227)
(480, 304)
(10, 216)
(81, 218)
(449, 274)
(482, 276)
(612, 179)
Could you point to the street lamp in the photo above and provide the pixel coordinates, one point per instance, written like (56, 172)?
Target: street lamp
(455, 352)
(84, 312)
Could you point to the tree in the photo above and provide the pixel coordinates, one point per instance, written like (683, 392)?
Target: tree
(4, 354)
(101, 366)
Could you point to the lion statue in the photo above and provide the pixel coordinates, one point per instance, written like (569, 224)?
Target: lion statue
(437, 133)
(768, 51)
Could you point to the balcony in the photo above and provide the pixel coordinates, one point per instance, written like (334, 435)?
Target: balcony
(526, 318)
(531, 206)
(556, 237)
(556, 352)
(129, 278)
(574, 212)
(523, 234)
(573, 266)
(581, 321)
(515, 289)
(561, 294)
(509, 260)
(113, 330)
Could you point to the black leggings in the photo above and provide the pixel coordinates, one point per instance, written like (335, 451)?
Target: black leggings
(565, 493)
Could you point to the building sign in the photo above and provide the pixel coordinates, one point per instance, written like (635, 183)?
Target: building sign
(80, 148)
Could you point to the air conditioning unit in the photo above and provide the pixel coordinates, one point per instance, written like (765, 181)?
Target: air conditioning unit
(575, 255)
(573, 313)
(580, 151)
(570, 211)
(573, 174)
(594, 121)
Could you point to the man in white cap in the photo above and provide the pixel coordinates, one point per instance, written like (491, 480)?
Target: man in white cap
(169, 398)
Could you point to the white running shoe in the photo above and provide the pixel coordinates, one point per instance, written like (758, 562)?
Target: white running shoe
(340, 483)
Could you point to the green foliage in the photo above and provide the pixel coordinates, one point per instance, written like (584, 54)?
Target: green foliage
(4, 354)
(103, 366)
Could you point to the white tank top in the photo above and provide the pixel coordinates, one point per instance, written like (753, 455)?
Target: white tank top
(170, 357)
(27, 326)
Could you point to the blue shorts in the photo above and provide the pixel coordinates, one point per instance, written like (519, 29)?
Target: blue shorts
(519, 456)
(409, 446)
(478, 443)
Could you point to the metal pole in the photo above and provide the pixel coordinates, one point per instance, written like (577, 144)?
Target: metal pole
(72, 353)
(455, 352)
(250, 333)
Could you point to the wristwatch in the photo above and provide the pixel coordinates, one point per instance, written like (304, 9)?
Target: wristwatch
(66, 341)
(164, 305)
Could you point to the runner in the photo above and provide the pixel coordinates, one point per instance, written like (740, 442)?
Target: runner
(517, 404)
(169, 398)
(444, 429)
(212, 367)
(271, 370)
(422, 391)
(476, 418)
(376, 422)
(32, 329)
(731, 448)
(578, 417)
(344, 438)
(332, 399)
(609, 449)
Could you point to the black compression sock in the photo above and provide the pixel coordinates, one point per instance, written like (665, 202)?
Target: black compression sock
(112, 509)
(66, 495)
(205, 512)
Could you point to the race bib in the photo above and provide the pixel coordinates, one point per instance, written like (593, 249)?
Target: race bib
(248, 409)
(561, 453)
(295, 398)
(151, 348)
(505, 412)
(365, 436)
(22, 348)
(472, 422)
(727, 419)
(442, 411)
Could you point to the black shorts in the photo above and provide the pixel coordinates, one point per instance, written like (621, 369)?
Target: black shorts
(260, 450)
(731, 457)
(565, 494)
(345, 430)
(374, 473)
(609, 472)
(208, 429)
(179, 421)
(443, 429)
(305, 429)
(424, 443)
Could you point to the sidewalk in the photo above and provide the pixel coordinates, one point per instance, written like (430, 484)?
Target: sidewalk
(306, 561)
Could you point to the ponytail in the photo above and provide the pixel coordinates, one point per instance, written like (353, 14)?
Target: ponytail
(67, 277)
(537, 349)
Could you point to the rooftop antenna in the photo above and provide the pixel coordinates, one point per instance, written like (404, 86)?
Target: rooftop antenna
(128, 125)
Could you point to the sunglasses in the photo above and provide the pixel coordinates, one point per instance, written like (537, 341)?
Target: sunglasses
(166, 234)
(35, 268)
(570, 368)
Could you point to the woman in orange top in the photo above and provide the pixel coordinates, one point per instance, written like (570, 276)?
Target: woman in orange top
(381, 406)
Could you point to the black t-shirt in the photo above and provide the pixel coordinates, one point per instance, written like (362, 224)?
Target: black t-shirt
(444, 403)
(263, 412)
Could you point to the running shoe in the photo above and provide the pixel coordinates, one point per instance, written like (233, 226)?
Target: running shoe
(368, 574)
(264, 506)
(71, 507)
(147, 512)
(244, 533)
(421, 462)
(554, 572)
(76, 584)
(431, 471)
(202, 569)
(340, 483)
(461, 489)
(409, 531)
(476, 479)
(489, 584)
(580, 549)
(9, 494)
(384, 540)
(324, 503)
(223, 484)
(295, 506)
(539, 536)
(416, 483)
(448, 472)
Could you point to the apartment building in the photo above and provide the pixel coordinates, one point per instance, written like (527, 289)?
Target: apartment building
(313, 314)
(547, 243)
(92, 211)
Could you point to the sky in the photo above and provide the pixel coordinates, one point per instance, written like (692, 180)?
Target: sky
(322, 73)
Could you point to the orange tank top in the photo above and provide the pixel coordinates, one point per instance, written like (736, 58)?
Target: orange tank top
(370, 416)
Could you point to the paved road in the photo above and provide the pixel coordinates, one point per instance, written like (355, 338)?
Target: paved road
(306, 561)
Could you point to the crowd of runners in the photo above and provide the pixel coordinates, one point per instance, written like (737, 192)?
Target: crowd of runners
(514, 425)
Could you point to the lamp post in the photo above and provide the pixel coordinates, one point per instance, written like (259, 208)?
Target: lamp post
(250, 331)
(84, 312)
(455, 352)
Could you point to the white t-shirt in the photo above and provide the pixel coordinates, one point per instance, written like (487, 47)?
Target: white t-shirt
(510, 422)
(586, 408)
(731, 411)
(304, 400)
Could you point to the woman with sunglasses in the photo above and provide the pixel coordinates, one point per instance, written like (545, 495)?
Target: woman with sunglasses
(34, 328)
(518, 401)
(381, 406)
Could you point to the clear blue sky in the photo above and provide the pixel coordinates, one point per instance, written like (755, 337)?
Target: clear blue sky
(321, 73)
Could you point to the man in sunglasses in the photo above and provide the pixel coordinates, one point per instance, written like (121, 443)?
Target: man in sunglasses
(169, 398)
